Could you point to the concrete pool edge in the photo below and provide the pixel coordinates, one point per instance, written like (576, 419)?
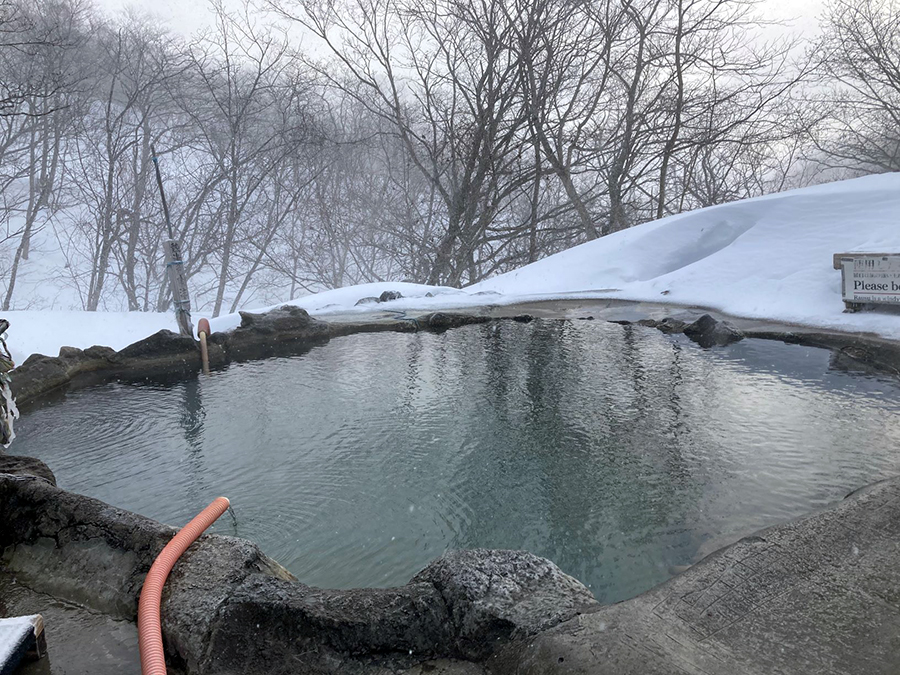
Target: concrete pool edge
(814, 594)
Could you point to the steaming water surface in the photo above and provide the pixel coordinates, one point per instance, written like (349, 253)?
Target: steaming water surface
(617, 452)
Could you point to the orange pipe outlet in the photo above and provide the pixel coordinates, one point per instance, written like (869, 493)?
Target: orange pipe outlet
(202, 332)
(153, 659)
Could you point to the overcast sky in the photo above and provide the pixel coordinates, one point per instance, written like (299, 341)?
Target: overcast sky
(187, 16)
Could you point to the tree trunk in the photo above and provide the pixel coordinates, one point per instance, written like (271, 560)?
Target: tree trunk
(134, 229)
(679, 104)
(105, 235)
(230, 228)
(40, 189)
(441, 268)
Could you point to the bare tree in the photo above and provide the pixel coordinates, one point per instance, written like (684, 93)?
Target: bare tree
(439, 141)
(445, 76)
(239, 75)
(110, 154)
(859, 64)
(41, 56)
(566, 51)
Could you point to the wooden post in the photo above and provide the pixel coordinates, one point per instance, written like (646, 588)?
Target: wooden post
(845, 265)
(174, 263)
(178, 281)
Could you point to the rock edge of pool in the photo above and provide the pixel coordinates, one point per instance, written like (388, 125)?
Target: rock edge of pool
(289, 330)
(818, 593)
(814, 594)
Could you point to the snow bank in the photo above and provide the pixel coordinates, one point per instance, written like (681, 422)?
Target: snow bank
(44, 332)
(343, 300)
(766, 258)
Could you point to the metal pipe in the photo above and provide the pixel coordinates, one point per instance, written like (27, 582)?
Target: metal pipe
(162, 193)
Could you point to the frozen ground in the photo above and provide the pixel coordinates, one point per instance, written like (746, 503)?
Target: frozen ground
(766, 258)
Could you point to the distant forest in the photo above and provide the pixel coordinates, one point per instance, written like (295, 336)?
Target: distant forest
(307, 145)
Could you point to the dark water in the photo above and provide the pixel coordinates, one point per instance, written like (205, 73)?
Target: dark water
(617, 452)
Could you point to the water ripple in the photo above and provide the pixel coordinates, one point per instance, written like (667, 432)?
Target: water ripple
(616, 451)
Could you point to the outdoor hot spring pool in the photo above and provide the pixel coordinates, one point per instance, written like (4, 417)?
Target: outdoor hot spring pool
(617, 452)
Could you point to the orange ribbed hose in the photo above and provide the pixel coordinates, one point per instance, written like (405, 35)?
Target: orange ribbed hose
(153, 659)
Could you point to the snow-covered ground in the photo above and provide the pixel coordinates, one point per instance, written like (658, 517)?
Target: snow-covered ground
(343, 300)
(44, 332)
(767, 258)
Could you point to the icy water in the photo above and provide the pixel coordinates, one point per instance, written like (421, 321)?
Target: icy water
(617, 452)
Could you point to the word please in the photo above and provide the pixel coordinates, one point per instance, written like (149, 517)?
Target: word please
(871, 286)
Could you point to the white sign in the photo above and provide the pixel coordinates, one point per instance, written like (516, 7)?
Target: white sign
(871, 279)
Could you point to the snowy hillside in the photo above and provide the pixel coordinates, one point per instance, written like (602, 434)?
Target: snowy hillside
(768, 258)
